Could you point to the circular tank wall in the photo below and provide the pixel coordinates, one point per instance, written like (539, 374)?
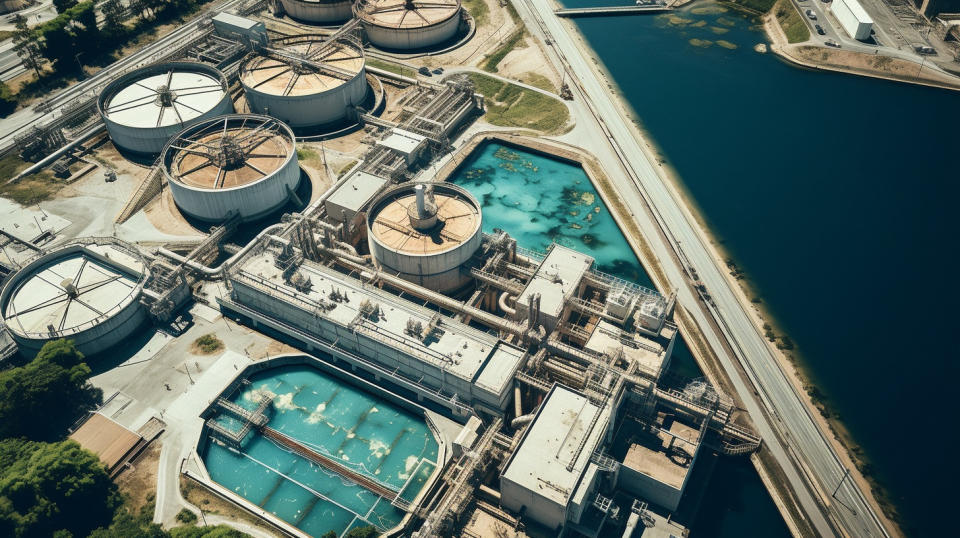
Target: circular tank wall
(240, 163)
(429, 251)
(145, 108)
(408, 24)
(85, 291)
(318, 10)
(305, 94)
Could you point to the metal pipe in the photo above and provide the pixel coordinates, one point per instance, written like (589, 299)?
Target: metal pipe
(502, 302)
(522, 421)
(517, 403)
(57, 154)
(216, 271)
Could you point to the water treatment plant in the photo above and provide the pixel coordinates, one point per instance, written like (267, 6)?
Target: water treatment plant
(383, 266)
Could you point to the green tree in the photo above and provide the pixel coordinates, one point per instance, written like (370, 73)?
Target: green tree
(8, 102)
(363, 532)
(49, 489)
(26, 44)
(114, 14)
(64, 5)
(52, 386)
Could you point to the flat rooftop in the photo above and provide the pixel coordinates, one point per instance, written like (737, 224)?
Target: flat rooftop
(139, 104)
(357, 191)
(608, 338)
(403, 141)
(110, 441)
(556, 279)
(651, 454)
(550, 445)
(473, 355)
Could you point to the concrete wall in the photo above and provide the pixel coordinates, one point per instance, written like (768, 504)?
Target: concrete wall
(513, 497)
(652, 490)
(310, 110)
(853, 25)
(318, 10)
(387, 38)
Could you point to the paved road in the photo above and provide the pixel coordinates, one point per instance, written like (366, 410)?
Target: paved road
(639, 184)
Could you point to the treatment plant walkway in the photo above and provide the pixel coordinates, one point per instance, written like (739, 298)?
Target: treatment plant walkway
(790, 431)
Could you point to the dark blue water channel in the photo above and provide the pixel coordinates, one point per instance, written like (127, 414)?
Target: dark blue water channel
(837, 195)
(540, 200)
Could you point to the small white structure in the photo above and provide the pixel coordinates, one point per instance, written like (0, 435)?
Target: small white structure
(146, 107)
(306, 81)
(408, 24)
(240, 29)
(410, 145)
(243, 164)
(87, 291)
(425, 233)
(550, 476)
(352, 197)
(558, 278)
(318, 10)
(853, 18)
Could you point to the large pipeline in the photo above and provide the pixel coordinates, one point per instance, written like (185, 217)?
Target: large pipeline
(503, 303)
(216, 271)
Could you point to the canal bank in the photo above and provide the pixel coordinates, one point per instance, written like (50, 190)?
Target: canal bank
(768, 152)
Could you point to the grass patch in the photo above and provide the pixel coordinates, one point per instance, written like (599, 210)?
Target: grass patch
(5, 35)
(792, 23)
(208, 343)
(391, 67)
(538, 81)
(186, 517)
(478, 10)
(509, 105)
(346, 168)
(493, 60)
(30, 190)
(305, 154)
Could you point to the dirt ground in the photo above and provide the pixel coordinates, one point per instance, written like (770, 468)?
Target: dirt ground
(139, 483)
(874, 64)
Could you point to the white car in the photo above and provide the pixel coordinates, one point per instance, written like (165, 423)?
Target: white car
(811, 14)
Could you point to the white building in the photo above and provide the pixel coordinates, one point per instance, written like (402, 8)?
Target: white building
(853, 18)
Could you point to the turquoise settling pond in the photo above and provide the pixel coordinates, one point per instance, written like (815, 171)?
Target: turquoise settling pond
(365, 433)
(539, 199)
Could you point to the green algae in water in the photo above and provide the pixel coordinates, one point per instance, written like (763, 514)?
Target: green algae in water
(506, 154)
(698, 24)
(701, 43)
(726, 22)
(726, 44)
(708, 10)
(719, 30)
(674, 20)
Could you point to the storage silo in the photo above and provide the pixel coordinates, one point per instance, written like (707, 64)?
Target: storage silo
(408, 24)
(322, 11)
(146, 107)
(87, 291)
(426, 233)
(305, 81)
(241, 163)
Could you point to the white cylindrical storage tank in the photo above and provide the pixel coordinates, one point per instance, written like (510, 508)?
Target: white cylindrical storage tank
(426, 233)
(306, 81)
(87, 291)
(322, 11)
(239, 163)
(145, 108)
(408, 24)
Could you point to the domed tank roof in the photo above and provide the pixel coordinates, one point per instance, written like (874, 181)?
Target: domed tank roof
(307, 65)
(406, 13)
(229, 151)
(438, 218)
(163, 95)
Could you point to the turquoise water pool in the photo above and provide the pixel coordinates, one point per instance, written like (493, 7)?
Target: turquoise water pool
(363, 432)
(539, 199)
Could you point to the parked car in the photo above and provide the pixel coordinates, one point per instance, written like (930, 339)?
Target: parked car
(819, 29)
(424, 71)
(832, 43)
(811, 15)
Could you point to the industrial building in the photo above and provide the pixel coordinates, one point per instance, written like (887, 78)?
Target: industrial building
(86, 290)
(306, 80)
(236, 165)
(853, 18)
(145, 108)
(408, 24)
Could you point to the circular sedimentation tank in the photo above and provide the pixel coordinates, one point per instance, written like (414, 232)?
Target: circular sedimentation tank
(408, 24)
(322, 11)
(240, 163)
(87, 291)
(426, 233)
(145, 108)
(307, 82)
